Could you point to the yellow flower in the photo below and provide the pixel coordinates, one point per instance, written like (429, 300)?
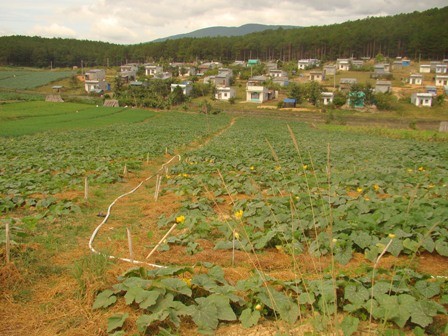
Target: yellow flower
(238, 214)
(376, 187)
(187, 281)
(305, 167)
(180, 219)
(277, 168)
(236, 235)
(367, 198)
(168, 177)
(391, 235)
(421, 169)
(252, 167)
(334, 240)
(359, 189)
(410, 170)
(185, 175)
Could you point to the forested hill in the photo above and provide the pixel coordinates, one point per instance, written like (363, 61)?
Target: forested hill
(418, 34)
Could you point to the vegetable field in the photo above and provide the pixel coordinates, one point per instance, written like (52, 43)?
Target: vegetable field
(23, 79)
(273, 224)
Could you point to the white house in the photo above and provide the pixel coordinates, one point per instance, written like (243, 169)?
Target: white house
(95, 80)
(152, 70)
(425, 68)
(282, 81)
(441, 80)
(343, 64)
(304, 64)
(185, 86)
(163, 75)
(317, 76)
(256, 92)
(224, 93)
(422, 99)
(128, 72)
(357, 64)
(416, 79)
(327, 97)
(277, 73)
(346, 83)
(441, 69)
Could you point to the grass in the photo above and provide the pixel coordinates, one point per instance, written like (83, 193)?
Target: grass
(36, 117)
(25, 79)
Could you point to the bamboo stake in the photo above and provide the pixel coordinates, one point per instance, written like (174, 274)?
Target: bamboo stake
(125, 170)
(147, 157)
(8, 243)
(131, 253)
(161, 240)
(86, 188)
(158, 184)
(233, 249)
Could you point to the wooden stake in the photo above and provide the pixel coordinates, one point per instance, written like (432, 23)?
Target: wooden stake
(161, 240)
(8, 243)
(147, 157)
(233, 248)
(158, 184)
(86, 188)
(131, 253)
(125, 170)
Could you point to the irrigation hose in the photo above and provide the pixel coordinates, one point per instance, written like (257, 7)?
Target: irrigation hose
(97, 229)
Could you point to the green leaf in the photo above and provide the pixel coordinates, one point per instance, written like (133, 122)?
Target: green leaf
(104, 299)
(204, 281)
(249, 317)
(284, 305)
(411, 245)
(442, 247)
(177, 285)
(343, 256)
(419, 315)
(349, 325)
(144, 321)
(205, 315)
(362, 239)
(419, 331)
(307, 298)
(116, 321)
(427, 289)
(140, 295)
(118, 333)
(356, 293)
(225, 311)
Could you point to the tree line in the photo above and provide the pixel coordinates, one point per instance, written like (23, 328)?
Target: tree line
(415, 35)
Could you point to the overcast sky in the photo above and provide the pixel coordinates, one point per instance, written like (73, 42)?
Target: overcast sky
(137, 21)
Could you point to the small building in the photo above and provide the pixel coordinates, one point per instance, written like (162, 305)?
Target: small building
(225, 72)
(253, 62)
(282, 81)
(441, 68)
(185, 86)
(381, 68)
(422, 99)
(356, 99)
(218, 80)
(397, 65)
(345, 84)
(433, 65)
(239, 63)
(277, 73)
(152, 70)
(187, 70)
(357, 64)
(405, 62)
(305, 64)
(128, 72)
(95, 79)
(271, 66)
(330, 69)
(416, 79)
(317, 76)
(163, 75)
(289, 102)
(441, 80)
(256, 92)
(327, 97)
(224, 93)
(343, 64)
(383, 86)
(431, 89)
(425, 68)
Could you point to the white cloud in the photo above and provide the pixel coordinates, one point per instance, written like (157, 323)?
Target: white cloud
(53, 30)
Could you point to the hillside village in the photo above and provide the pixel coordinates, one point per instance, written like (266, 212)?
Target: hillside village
(346, 83)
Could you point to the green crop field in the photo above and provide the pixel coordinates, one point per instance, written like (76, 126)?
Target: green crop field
(278, 222)
(23, 79)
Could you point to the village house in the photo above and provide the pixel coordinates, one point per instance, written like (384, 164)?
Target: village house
(256, 92)
(345, 84)
(128, 72)
(277, 73)
(186, 70)
(239, 63)
(330, 69)
(441, 68)
(425, 68)
(357, 64)
(441, 80)
(405, 62)
(433, 65)
(343, 64)
(185, 86)
(95, 81)
(218, 80)
(163, 75)
(282, 81)
(225, 72)
(305, 64)
(422, 99)
(356, 99)
(327, 97)
(416, 79)
(397, 65)
(224, 93)
(431, 89)
(271, 66)
(381, 69)
(152, 70)
(317, 76)
(383, 86)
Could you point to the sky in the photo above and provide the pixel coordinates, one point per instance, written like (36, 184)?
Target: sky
(139, 21)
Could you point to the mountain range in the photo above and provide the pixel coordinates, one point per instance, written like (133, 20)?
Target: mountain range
(226, 31)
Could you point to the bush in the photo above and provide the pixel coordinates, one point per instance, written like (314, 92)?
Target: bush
(339, 99)
(385, 101)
